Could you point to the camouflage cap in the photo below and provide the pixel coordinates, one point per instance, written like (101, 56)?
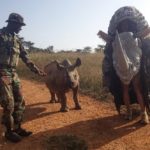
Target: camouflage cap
(14, 17)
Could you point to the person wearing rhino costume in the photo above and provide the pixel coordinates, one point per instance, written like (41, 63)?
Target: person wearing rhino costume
(11, 98)
(127, 60)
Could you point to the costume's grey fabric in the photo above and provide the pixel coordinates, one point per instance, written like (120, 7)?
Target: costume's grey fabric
(126, 56)
(127, 13)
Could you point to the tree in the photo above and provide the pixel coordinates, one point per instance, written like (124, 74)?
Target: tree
(28, 44)
(50, 49)
(78, 50)
(87, 49)
(99, 48)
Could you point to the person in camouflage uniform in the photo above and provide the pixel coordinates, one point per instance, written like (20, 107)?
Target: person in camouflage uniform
(11, 98)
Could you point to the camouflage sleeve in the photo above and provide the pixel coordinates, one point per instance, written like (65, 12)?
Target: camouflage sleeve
(25, 58)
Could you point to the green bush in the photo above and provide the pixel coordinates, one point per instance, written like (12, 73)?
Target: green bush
(66, 142)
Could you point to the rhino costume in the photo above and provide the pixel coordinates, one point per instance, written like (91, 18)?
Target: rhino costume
(126, 56)
(138, 35)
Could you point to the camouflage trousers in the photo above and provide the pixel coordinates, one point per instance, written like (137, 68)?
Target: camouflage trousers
(11, 98)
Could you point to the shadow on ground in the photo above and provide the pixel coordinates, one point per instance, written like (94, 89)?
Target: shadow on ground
(97, 132)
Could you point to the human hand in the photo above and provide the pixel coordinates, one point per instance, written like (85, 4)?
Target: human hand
(104, 36)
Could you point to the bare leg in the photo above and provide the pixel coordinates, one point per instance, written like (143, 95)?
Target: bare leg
(126, 100)
(137, 88)
(53, 100)
(58, 98)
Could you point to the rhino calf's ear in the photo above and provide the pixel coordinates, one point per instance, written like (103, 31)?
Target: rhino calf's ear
(59, 66)
(78, 62)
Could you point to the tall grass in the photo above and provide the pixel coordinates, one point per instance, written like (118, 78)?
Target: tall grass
(90, 70)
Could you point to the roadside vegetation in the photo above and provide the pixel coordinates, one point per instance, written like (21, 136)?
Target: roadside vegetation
(90, 70)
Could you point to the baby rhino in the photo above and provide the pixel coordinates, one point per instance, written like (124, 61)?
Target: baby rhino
(61, 77)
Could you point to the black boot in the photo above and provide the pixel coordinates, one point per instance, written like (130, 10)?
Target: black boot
(12, 136)
(23, 132)
(20, 131)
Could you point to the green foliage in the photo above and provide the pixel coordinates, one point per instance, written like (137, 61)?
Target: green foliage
(87, 49)
(99, 48)
(89, 71)
(66, 142)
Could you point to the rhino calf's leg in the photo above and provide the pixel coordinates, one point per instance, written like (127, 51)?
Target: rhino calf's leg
(64, 107)
(75, 98)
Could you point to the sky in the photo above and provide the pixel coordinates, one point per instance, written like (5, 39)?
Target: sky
(66, 24)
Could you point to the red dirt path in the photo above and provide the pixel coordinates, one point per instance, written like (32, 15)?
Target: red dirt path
(97, 123)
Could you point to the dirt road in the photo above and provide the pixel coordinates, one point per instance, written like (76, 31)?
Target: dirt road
(97, 123)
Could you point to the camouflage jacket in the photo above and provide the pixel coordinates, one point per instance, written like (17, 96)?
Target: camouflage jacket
(11, 50)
